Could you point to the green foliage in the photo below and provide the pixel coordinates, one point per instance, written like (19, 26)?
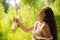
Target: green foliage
(30, 2)
(5, 5)
(50, 1)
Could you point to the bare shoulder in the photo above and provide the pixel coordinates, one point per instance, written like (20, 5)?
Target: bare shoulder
(45, 25)
(46, 30)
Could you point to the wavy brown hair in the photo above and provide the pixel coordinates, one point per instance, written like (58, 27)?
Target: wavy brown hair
(50, 20)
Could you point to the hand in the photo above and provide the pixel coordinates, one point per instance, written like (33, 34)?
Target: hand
(16, 19)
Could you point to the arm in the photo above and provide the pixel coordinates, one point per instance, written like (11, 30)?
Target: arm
(23, 27)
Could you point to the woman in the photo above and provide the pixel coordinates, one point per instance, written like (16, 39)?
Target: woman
(45, 28)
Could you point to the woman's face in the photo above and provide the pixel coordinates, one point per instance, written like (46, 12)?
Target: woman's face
(41, 14)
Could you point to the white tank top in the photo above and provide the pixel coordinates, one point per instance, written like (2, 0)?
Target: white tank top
(41, 25)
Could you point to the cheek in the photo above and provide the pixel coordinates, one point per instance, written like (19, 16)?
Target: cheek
(39, 14)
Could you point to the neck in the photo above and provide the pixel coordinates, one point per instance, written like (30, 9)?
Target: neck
(41, 20)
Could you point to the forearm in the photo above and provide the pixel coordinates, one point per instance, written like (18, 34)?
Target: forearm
(23, 27)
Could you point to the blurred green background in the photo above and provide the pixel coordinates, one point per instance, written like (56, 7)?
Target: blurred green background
(27, 12)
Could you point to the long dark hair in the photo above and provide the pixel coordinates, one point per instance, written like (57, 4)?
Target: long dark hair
(50, 20)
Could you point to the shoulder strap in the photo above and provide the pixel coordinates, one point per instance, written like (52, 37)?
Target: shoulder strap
(42, 25)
